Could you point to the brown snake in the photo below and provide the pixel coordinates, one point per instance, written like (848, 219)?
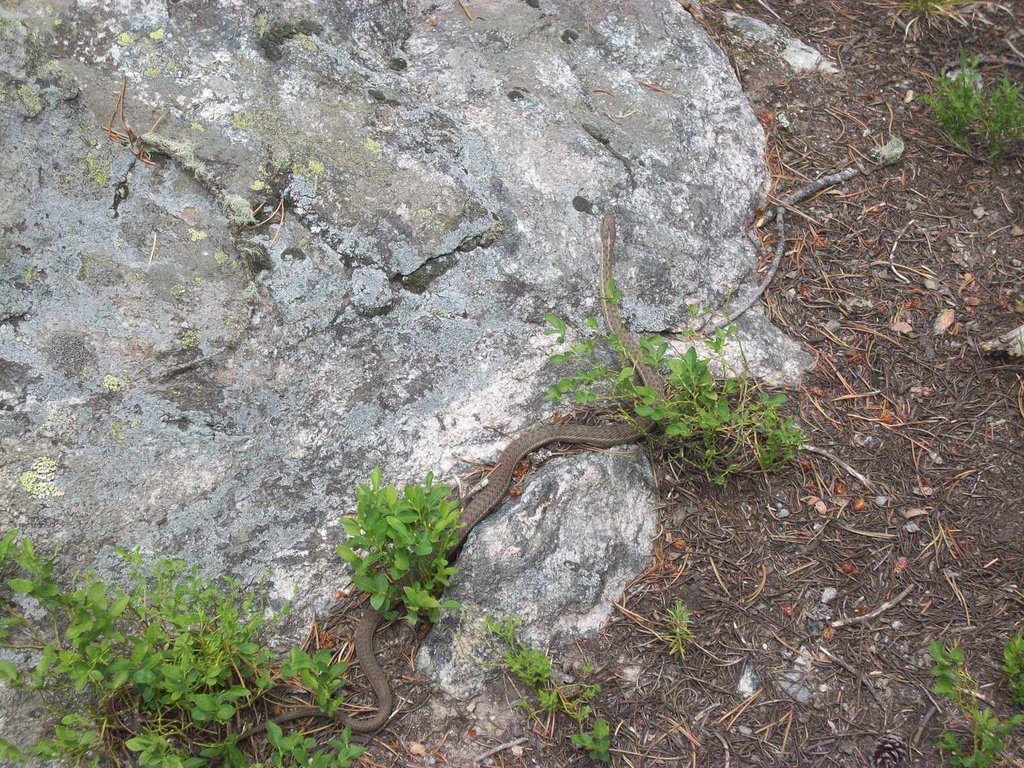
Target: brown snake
(498, 482)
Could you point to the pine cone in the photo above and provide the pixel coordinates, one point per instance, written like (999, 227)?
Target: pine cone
(890, 752)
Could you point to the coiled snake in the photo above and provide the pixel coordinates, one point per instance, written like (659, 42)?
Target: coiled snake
(498, 482)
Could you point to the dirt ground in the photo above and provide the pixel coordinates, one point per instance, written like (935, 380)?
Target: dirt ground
(891, 282)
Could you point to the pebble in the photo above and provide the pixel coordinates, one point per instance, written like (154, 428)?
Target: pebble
(911, 528)
(749, 682)
(828, 594)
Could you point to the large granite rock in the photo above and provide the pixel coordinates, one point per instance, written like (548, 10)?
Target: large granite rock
(172, 382)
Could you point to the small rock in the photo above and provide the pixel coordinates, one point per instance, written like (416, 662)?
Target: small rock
(911, 528)
(749, 683)
(828, 594)
(782, 513)
(630, 673)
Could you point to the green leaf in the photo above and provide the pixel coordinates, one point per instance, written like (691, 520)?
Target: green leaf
(21, 586)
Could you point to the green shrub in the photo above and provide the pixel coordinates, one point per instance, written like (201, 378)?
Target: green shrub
(964, 109)
(957, 101)
(397, 546)
(721, 427)
(988, 732)
(158, 671)
(1002, 119)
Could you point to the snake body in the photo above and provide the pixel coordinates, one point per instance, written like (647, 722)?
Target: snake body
(498, 483)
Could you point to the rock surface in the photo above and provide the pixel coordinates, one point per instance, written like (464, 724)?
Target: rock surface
(799, 56)
(173, 383)
(558, 557)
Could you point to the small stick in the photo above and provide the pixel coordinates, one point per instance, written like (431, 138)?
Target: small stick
(501, 748)
(465, 10)
(806, 191)
(841, 464)
(860, 677)
(875, 613)
(152, 252)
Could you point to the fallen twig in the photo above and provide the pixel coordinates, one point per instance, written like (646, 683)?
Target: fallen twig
(501, 748)
(875, 613)
(810, 189)
(859, 676)
(841, 464)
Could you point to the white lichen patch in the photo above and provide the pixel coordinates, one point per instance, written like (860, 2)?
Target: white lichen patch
(41, 480)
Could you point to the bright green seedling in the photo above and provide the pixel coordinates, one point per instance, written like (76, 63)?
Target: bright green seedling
(1013, 668)
(534, 668)
(720, 426)
(988, 732)
(397, 546)
(677, 629)
(161, 670)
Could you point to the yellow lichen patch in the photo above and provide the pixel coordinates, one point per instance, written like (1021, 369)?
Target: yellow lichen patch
(190, 340)
(125, 38)
(243, 120)
(30, 100)
(157, 35)
(305, 41)
(117, 430)
(262, 24)
(97, 170)
(258, 185)
(315, 168)
(220, 257)
(115, 384)
(41, 480)
(195, 235)
(374, 146)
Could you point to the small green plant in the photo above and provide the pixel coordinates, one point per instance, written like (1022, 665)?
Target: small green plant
(534, 668)
(157, 672)
(299, 751)
(1013, 668)
(397, 546)
(596, 741)
(677, 629)
(721, 427)
(965, 109)
(988, 732)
